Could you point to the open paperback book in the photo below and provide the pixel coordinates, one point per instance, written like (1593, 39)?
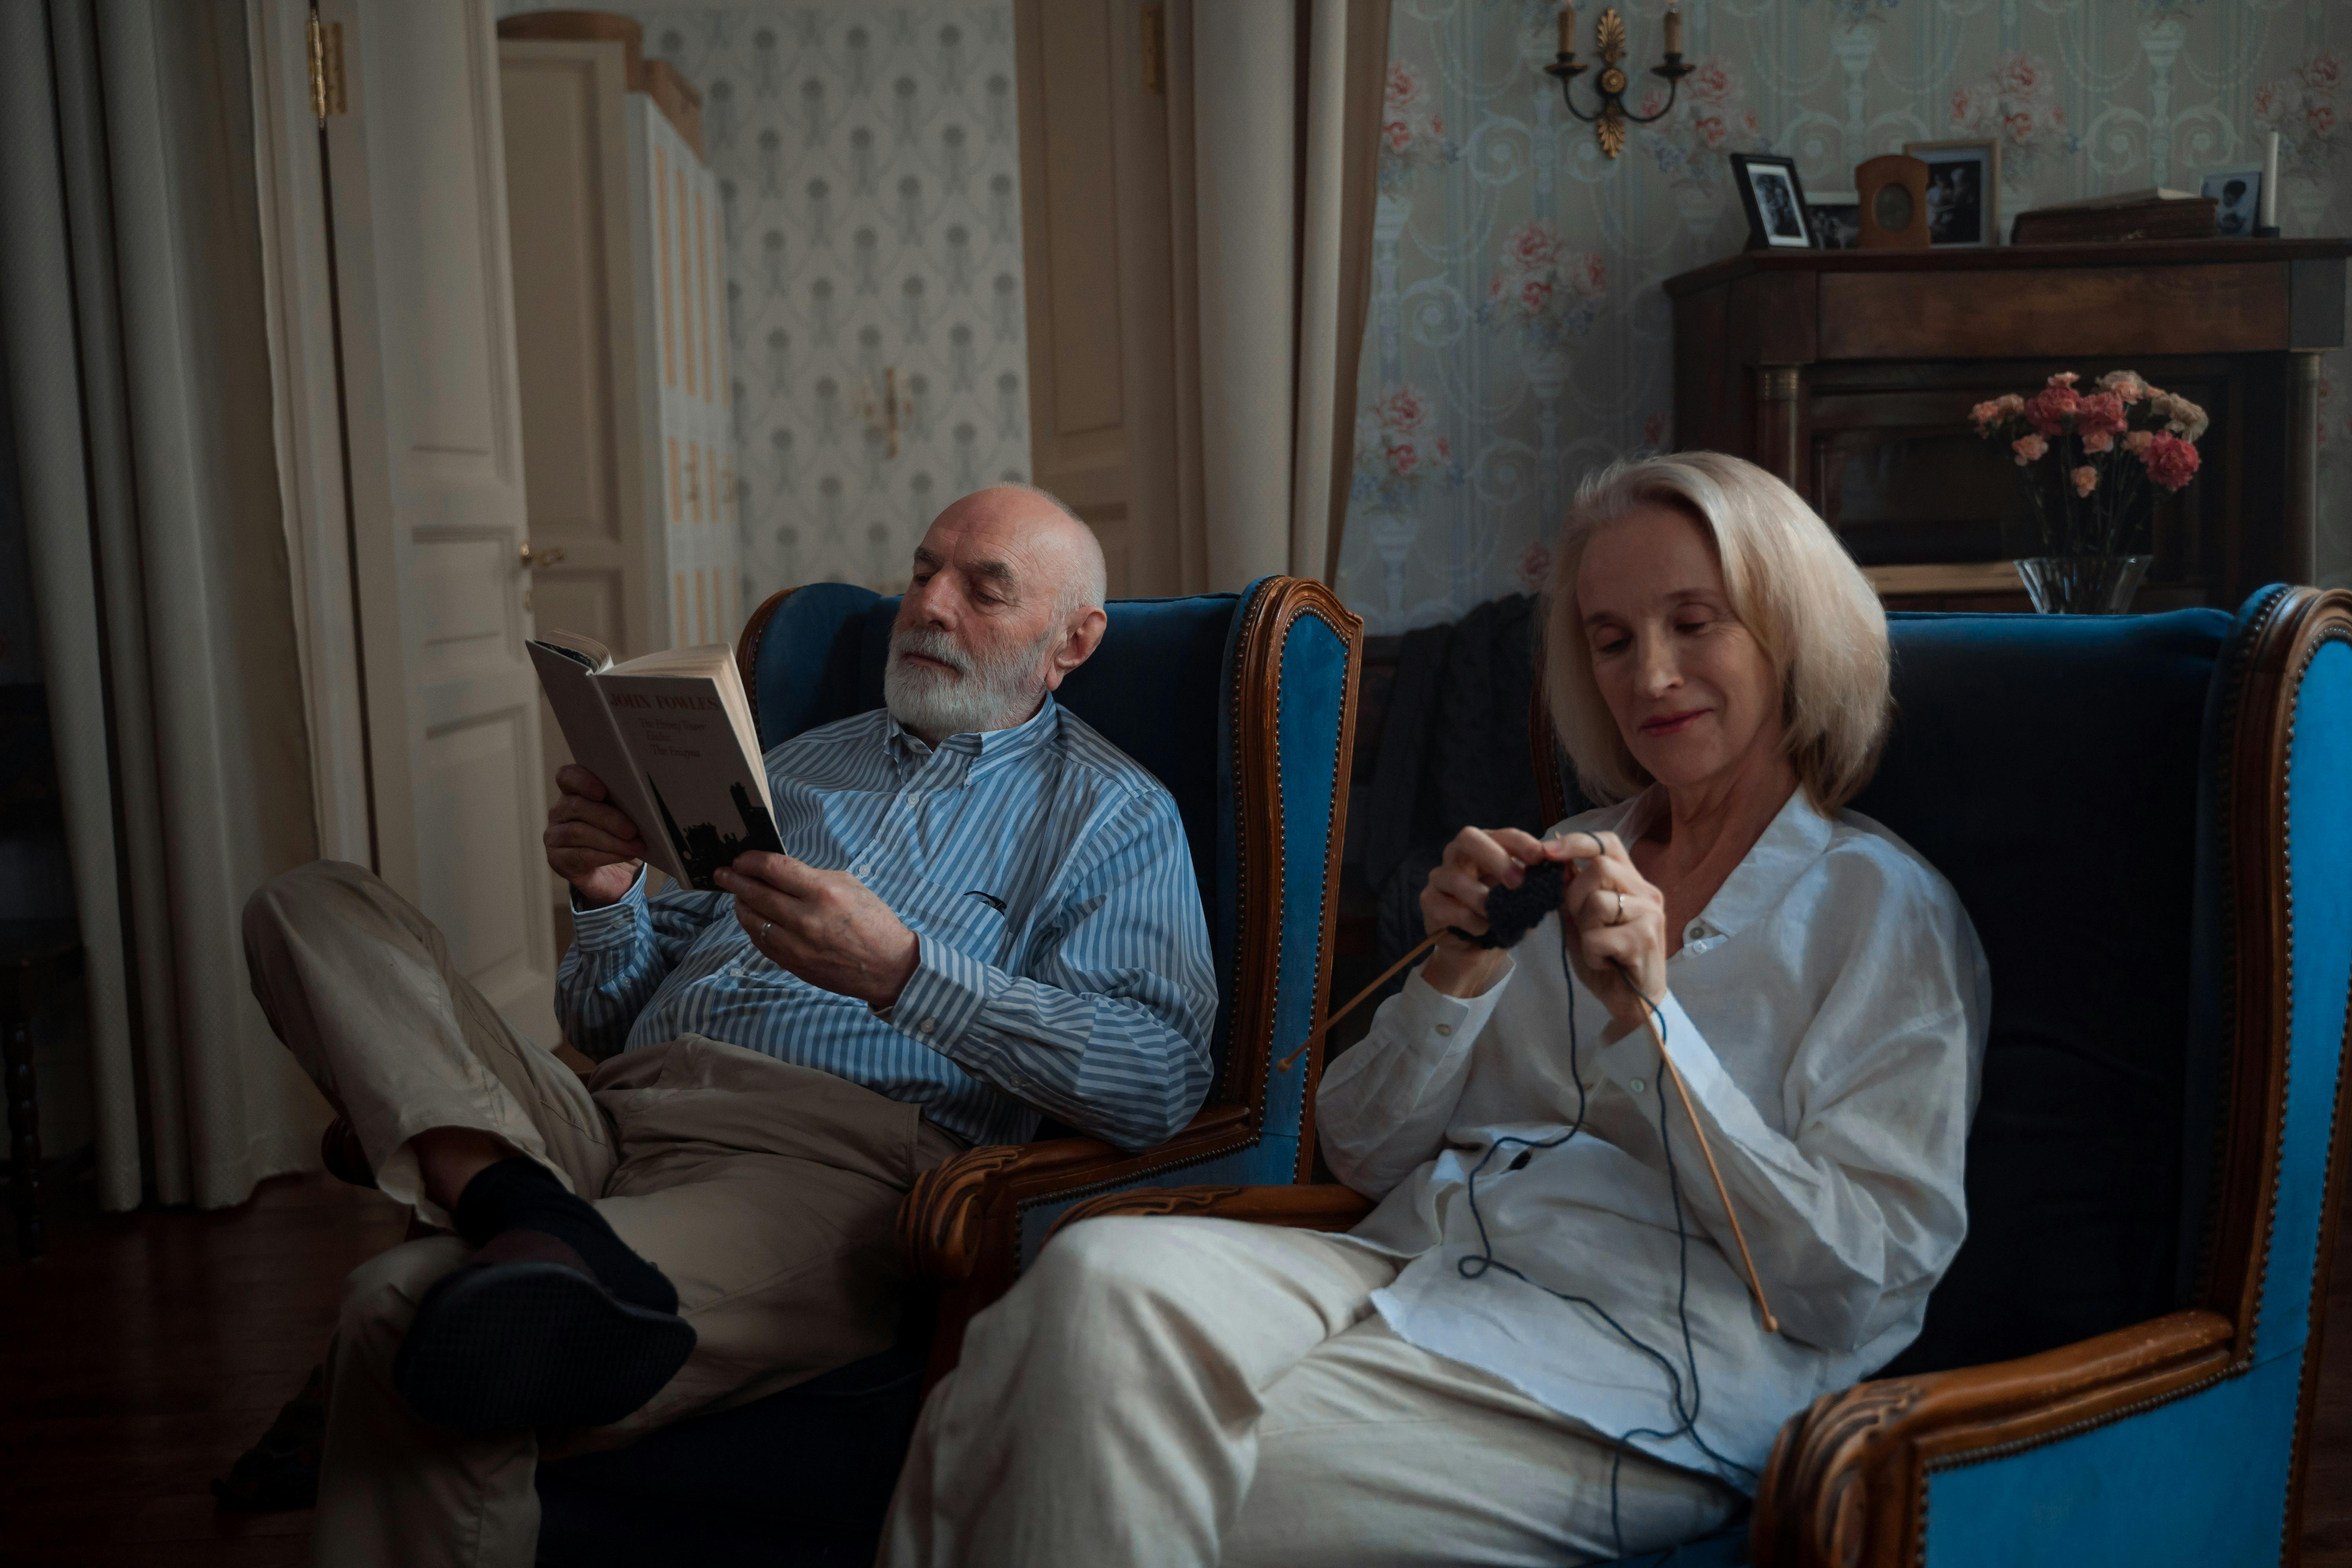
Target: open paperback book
(672, 737)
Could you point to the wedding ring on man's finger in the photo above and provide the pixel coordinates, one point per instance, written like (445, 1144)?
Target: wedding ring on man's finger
(765, 924)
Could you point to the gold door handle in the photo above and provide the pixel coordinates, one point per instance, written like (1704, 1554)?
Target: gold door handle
(548, 557)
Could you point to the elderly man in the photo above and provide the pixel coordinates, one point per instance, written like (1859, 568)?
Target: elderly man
(987, 912)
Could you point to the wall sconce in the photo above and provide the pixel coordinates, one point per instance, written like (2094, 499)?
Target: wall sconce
(1609, 40)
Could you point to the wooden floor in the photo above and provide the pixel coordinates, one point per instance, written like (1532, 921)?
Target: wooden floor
(146, 1351)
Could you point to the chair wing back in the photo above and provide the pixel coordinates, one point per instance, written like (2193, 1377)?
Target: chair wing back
(1243, 706)
(2055, 769)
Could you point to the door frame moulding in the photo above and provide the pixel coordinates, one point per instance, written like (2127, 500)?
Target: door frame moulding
(299, 283)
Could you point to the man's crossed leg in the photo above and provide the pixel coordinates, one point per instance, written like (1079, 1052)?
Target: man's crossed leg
(761, 1193)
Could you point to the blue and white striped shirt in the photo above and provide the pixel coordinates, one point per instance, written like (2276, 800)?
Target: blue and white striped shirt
(1064, 960)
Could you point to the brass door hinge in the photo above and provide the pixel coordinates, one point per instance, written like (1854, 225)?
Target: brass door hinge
(1155, 48)
(326, 68)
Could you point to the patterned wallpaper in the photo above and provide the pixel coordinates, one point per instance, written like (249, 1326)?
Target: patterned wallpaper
(1518, 336)
(869, 162)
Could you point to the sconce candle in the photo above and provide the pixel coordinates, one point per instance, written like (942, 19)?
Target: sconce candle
(1674, 31)
(1568, 31)
(2267, 203)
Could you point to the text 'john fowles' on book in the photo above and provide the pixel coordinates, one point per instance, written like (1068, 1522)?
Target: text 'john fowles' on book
(672, 737)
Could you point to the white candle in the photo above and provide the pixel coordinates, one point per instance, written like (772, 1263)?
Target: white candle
(2269, 198)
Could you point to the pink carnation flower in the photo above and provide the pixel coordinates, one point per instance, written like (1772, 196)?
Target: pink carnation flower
(2172, 461)
(2028, 447)
(2098, 441)
(2050, 408)
(1985, 414)
(2100, 414)
(2086, 480)
(2137, 443)
(2064, 378)
(2125, 384)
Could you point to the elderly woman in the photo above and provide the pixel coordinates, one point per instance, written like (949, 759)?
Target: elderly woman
(1542, 1346)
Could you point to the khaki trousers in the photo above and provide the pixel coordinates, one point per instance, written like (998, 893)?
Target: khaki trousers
(767, 1193)
(1180, 1391)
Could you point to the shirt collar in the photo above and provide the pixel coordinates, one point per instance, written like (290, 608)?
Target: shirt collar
(982, 751)
(1796, 837)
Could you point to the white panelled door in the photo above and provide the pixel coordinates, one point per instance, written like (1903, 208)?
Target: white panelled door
(415, 176)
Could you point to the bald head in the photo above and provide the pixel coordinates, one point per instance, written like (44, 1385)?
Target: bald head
(1060, 547)
(1006, 599)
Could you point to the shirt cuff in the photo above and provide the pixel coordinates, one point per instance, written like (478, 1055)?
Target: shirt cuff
(613, 927)
(943, 996)
(1427, 1020)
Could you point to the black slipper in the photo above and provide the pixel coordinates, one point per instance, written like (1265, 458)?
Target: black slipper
(523, 1335)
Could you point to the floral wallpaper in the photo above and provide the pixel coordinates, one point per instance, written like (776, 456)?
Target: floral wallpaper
(1518, 336)
(869, 162)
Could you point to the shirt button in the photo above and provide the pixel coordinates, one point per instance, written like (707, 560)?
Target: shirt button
(1444, 1029)
(928, 1024)
(861, 870)
(1635, 1084)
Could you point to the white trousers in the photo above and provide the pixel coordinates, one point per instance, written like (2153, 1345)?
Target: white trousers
(1171, 1390)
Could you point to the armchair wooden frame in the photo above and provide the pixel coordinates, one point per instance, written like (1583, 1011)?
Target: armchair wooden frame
(1847, 1483)
(959, 1228)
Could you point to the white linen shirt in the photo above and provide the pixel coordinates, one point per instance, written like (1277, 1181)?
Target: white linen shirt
(1828, 1012)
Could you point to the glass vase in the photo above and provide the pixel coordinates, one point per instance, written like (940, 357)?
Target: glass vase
(2082, 585)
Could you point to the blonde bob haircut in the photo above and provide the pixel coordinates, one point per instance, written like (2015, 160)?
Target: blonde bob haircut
(1791, 585)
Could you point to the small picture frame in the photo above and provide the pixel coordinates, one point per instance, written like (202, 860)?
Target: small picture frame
(1963, 191)
(2237, 200)
(1774, 199)
(1836, 217)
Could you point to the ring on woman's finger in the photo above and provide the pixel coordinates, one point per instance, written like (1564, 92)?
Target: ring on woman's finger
(1620, 908)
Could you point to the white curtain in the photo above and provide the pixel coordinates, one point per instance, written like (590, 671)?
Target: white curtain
(1284, 102)
(131, 313)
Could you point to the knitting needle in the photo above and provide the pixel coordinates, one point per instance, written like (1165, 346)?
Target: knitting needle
(1755, 1284)
(1319, 1030)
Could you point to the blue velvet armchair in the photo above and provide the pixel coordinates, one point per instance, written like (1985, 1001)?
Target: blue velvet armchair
(2149, 819)
(1244, 706)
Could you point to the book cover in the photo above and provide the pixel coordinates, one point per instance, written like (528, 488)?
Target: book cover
(569, 678)
(709, 802)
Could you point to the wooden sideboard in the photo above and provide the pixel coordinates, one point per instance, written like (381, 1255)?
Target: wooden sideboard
(1850, 374)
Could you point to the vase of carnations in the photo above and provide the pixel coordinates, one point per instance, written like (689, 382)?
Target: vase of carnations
(2092, 461)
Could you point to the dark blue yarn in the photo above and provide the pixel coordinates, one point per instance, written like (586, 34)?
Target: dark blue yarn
(1476, 1267)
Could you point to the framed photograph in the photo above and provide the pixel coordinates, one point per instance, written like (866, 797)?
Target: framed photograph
(1837, 219)
(1963, 191)
(1774, 200)
(2238, 197)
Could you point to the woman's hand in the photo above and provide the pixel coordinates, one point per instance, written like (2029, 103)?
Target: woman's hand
(1478, 859)
(1616, 923)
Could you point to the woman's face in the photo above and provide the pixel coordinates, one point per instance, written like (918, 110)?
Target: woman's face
(1691, 689)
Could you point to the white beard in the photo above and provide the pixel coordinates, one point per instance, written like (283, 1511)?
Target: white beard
(972, 696)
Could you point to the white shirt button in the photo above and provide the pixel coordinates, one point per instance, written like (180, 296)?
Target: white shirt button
(1444, 1029)
(928, 1024)
(1635, 1084)
(861, 870)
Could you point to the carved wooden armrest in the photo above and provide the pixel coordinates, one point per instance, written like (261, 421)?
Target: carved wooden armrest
(1847, 1480)
(940, 1219)
(1321, 1205)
